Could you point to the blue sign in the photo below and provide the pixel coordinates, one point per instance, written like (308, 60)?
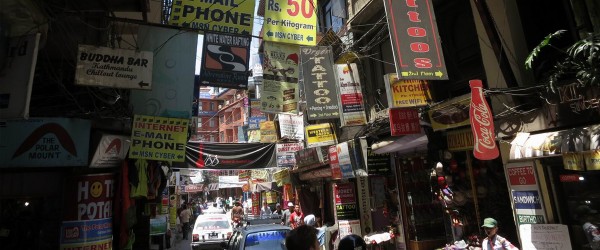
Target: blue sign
(255, 121)
(85, 231)
(346, 171)
(527, 199)
(44, 142)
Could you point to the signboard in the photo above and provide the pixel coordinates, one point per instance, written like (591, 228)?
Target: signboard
(280, 79)
(225, 61)
(320, 135)
(230, 155)
(344, 160)
(334, 163)
(404, 122)
(482, 124)
(345, 201)
(348, 227)
(268, 132)
(450, 114)
(87, 214)
(291, 126)
(545, 237)
(415, 40)
(233, 16)
(460, 140)
(525, 193)
(256, 203)
(319, 83)
(158, 138)
(111, 150)
(364, 200)
(158, 225)
(44, 142)
(16, 77)
(291, 21)
(194, 188)
(112, 67)
(351, 97)
(244, 175)
(309, 158)
(285, 153)
(378, 164)
(406, 93)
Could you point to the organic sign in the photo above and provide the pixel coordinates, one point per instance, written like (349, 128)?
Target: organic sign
(482, 124)
(280, 79)
(291, 21)
(351, 97)
(225, 61)
(111, 67)
(158, 138)
(319, 83)
(406, 93)
(231, 16)
(415, 40)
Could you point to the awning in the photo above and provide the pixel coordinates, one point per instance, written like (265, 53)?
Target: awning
(230, 182)
(263, 186)
(405, 144)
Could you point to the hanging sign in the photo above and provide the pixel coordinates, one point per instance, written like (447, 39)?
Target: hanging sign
(291, 126)
(364, 203)
(111, 150)
(158, 138)
(482, 124)
(345, 201)
(230, 155)
(291, 21)
(459, 140)
(345, 161)
(404, 122)
(320, 135)
(319, 83)
(450, 114)
(286, 153)
(232, 16)
(280, 79)
(415, 40)
(351, 97)
(378, 164)
(268, 132)
(406, 93)
(225, 61)
(525, 193)
(334, 163)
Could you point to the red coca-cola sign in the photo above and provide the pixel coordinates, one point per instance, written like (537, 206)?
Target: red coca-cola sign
(482, 124)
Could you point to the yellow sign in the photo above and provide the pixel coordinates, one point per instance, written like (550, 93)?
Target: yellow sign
(271, 197)
(291, 21)
(230, 16)
(320, 135)
(460, 140)
(451, 114)
(268, 133)
(158, 138)
(406, 93)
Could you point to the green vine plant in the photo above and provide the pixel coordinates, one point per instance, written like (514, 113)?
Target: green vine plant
(581, 60)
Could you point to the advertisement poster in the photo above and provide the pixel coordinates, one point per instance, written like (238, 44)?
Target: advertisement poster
(450, 114)
(280, 79)
(44, 142)
(345, 161)
(225, 59)
(268, 132)
(87, 217)
(291, 126)
(415, 40)
(482, 124)
(345, 201)
(285, 153)
(158, 138)
(364, 202)
(320, 135)
(348, 227)
(256, 116)
(111, 150)
(351, 97)
(291, 21)
(256, 203)
(525, 193)
(334, 163)
(406, 93)
(112, 67)
(378, 164)
(235, 17)
(404, 122)
(320, 85)
(231, 155)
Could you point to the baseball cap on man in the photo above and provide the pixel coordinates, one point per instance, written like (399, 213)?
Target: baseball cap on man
(489, 223)
(290, 204)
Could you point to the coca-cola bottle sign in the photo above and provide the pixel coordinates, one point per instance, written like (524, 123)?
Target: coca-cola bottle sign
(482, 124)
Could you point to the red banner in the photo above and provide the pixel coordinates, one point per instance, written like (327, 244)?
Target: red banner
(255, 203)
(336, 171)
(521, 176)
(482, 124)
(404, 122)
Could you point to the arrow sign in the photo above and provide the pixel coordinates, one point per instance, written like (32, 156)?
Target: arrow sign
(309, 38)
(439, 73)
(143, 84)
(313, 115)
(269, 33)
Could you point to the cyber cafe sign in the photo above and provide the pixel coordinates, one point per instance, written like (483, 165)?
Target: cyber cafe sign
(579, 98)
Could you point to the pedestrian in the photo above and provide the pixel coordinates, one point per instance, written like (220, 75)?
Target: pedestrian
(297, 217)
(185, 221)
(285, 217)
(352, 242)
(493, 241)
(313, 221)
(302, 238)
(278, 210)
(265, 210)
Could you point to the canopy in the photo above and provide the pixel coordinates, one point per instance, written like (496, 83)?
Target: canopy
(405, 144)
(230, 182)
(230, 155)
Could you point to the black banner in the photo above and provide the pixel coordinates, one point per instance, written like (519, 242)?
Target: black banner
(230, 155)
(225, 59)
(319, 83)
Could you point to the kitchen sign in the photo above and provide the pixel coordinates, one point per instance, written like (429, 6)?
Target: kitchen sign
(415, 40)
(406, 93)
(482, 124)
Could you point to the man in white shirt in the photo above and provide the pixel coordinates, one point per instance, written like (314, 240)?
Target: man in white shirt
(265, 211)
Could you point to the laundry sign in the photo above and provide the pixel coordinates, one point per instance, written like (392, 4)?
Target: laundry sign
(117, 68)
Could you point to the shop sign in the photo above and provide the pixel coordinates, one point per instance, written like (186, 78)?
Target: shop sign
(406, 93)
(281, 177)
(291, 126)
(521, 176)
(158, 138)
(319, 83)
(345, 201)
(378, 164)
(268, 132)
(569, 178)
(256, 203)
(482, 124)
(525, 193)
(233, 16)
(364, 204)
(244, 175)
(225, 59)
(44, 142)
(158, 225)
(352, 104)
(311, 157)
(271, 197)
(254, 122)
(573, 161)
(592, 158)
(404, 122)
(545, 236)
(111, 150)
(112, 67)
(450, 114)
(291, 21)
(460, 140)
(320, 135)
(280, 79)
(334, 163)
(348, 227)
(285, 153)
(192, 188)
(530, 219)
(577, 103)
(527, 199)
(343, 156)
(415, 40)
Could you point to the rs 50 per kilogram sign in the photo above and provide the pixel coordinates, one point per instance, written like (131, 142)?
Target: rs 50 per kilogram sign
(291, 21)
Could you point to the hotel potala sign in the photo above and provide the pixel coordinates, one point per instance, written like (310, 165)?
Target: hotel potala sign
(117, 68)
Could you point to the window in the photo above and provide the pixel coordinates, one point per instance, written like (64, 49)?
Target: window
(200, 106)
(329, 20)
(212, 138)
(222, 136)
(211, 122)
(199, 122)
(212, 106)
(222, 119)
(266, 240)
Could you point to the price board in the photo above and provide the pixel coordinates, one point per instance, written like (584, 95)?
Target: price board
(291, 21)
